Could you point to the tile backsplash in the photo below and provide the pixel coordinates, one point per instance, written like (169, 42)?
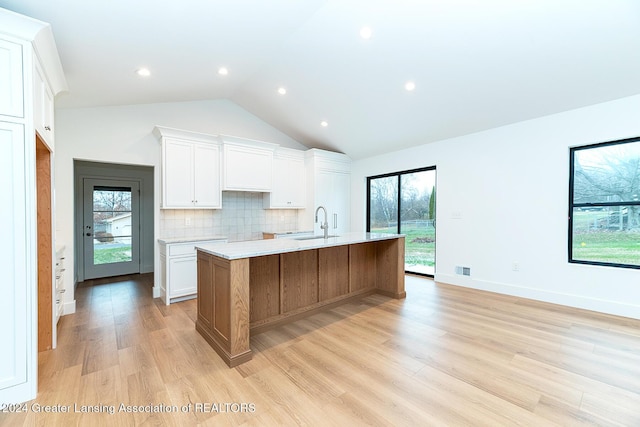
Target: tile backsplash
(242, 217)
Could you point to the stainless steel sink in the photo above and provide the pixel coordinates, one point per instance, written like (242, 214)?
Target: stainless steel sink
(315, 237)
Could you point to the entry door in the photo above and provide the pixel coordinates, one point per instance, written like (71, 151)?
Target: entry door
(111, 229)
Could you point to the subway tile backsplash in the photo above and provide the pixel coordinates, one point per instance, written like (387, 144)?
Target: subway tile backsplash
(242, 217)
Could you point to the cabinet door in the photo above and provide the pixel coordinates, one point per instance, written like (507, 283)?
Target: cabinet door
(296, 183)
(333, 191)
(47, 112)
(182, 276)
(206, 180)
(339, 222)
(14, 254)
(247, 169)
(42, 106)
(11, 80)
(177, 175)
(289, 186)
(38, 102)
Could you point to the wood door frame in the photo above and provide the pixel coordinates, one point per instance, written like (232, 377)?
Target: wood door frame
(45, 252)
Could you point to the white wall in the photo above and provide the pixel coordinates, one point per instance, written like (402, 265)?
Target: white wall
(122, 134)
(510, 185)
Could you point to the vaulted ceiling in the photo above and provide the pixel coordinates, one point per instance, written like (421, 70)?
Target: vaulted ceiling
(475, 64)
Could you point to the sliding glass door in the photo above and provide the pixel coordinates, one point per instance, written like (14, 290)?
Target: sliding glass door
(404, 202)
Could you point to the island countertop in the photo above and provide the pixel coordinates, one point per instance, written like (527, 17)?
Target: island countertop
(245, 288)
(255, 248)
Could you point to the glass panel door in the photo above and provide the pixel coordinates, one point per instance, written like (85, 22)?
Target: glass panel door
(405, 202)
(111, 227)
(383, 205)
(418, 213)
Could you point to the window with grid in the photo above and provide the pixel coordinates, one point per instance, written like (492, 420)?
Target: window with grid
(604, 204)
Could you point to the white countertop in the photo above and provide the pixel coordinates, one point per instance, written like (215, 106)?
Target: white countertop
(166, 241)
(286, 233)
(254, 248)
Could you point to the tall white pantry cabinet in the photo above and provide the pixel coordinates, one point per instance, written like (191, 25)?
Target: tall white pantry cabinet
(328, 185)
(30, 76)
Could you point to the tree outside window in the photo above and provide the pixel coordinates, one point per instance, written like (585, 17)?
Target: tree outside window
(604, 211)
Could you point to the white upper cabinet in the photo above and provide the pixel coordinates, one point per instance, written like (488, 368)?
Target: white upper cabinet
(190, 170)
(247, 165)
(42, 105)
(11, 83)
(289, 180)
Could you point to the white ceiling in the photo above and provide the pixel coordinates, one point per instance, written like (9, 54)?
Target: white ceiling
(476, 64)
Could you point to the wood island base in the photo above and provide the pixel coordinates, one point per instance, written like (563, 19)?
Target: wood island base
(238, 298)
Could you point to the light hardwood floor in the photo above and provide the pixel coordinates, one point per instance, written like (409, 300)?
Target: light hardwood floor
(444, 356)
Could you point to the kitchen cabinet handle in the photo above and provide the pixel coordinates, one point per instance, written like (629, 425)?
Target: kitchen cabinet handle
(47, 128)
(335, 220)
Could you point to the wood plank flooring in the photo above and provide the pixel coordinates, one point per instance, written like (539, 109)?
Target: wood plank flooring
(444, 356)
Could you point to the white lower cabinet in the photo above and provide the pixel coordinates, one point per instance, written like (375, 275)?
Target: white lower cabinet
(179, 269)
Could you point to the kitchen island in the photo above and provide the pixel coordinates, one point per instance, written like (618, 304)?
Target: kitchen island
(245, 288)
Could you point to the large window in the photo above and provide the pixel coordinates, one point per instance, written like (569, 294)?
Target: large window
(604, 204)
(404, 202)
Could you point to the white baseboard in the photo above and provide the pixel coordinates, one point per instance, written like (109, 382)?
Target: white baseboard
(157, 293)
(577, 301)
(69, 307)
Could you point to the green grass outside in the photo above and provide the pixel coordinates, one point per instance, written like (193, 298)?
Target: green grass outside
(111, 255)
(591, 243)
(416, 252)
(619, 247)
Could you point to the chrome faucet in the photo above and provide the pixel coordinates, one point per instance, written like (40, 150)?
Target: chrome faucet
(325, 225)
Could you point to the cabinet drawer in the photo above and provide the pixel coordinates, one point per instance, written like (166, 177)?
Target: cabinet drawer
(182, 249)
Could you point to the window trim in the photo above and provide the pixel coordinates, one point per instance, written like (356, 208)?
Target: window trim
(572, 205)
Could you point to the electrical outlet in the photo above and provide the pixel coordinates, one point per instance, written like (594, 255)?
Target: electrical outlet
(515, 266)
(187, 221)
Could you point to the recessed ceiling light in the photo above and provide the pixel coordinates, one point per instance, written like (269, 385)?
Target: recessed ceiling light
(366, 33)
(324, 123)
(143, 72)
(282, 91)
(223, 71)
(409, 86)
